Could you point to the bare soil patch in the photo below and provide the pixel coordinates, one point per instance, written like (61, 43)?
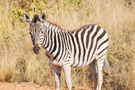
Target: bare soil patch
(32, 86)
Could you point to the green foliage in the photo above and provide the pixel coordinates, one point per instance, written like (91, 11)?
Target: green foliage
(30, 6)
(38, 6)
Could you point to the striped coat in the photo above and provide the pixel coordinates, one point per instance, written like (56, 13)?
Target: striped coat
(80, 46)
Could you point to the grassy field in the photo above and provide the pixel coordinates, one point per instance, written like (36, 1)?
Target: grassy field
(18, 62)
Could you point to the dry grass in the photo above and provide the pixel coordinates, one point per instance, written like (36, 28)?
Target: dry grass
(19, 63)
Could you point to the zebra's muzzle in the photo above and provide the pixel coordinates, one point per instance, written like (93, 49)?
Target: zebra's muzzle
(36, 49)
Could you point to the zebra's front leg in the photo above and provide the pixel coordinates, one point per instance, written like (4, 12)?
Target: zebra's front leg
(67, 72)
(57, 71)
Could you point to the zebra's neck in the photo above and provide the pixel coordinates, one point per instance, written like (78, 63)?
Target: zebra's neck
(54, 40)
(49, 35)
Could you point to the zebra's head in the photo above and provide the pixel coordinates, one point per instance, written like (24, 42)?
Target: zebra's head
(36, 29)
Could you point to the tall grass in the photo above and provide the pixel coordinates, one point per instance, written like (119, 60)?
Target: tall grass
(19, 63)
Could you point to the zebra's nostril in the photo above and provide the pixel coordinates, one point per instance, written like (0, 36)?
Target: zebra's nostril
(36, 49)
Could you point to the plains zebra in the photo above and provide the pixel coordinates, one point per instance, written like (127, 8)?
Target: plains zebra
(84, 46)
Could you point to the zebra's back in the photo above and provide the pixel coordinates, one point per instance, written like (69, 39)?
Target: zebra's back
(87, 43)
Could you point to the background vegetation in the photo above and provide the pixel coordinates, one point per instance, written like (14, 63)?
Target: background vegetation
(18, 62)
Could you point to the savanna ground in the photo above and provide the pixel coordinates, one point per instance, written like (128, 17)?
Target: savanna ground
(32, 86)
(20, 67)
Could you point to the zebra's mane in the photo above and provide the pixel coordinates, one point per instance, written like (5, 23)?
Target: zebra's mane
(55, 24)
(35, 18)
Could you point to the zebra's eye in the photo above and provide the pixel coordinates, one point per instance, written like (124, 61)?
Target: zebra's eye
(30, 33)
(42, 32)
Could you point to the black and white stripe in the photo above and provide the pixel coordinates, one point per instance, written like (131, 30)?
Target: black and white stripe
(80, 46)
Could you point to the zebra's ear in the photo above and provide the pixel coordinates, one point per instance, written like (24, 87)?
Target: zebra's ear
(43, 17)
(27, 17)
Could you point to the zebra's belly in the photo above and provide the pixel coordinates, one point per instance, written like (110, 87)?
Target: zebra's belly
(80, 62)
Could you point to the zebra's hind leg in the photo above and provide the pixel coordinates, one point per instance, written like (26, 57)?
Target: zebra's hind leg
(99, 65)
(67, 71)
(93, 69)
(57, 71)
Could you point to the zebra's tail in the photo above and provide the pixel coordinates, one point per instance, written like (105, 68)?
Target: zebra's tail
(106, 67)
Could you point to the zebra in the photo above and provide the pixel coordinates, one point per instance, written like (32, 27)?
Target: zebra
(70, 48)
